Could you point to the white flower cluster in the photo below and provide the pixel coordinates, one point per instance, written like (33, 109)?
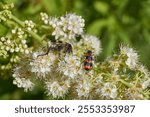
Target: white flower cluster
(68, 26)
(12, 46)
(5, 15)
(132, 57)
(57, 89)
(42, 65)
(44, 18)
(90, 42)
(21, 78)
(84, 88)
(18, 32)
(29, 25)
(109, 90)
(70, 66)
(63, 69)
(23, 83)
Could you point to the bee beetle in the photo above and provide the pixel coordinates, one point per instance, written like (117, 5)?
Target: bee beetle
(59, 47)
(88, 62)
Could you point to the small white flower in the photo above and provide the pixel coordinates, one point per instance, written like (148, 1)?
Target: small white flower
(8, 41)
(57, 89)
(144, 71)
(109, 91)
(13, 31)
(54, 22)
(92, 43)
(42, 65)
(26, 51)
(7, 48)
(3, 38)
(12, 50)
(44, 18)
(84, 88)
(16, 49)
(146, 84)
(68, 26)
(132, 56)
(70, 66)
(58, 32)
(23, 83)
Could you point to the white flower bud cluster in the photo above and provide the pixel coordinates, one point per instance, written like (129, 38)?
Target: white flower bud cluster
(10, 48)
(29, 25)
(44, 18)
(13, 46)
(5, 15)
(18, 32)
(8, 6)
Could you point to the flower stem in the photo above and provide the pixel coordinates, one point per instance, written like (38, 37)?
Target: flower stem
(34, 35)
(126, 83)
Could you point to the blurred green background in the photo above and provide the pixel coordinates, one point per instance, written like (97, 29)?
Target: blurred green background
(113, 21)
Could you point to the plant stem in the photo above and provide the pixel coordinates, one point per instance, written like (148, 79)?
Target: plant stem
(125, 83)
(34, 35)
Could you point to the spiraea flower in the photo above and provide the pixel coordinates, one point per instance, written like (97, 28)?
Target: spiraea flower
(67, 26)
(73, 24)
(70, 73)
(132, 56)
(21, 76)
(91, 42)
(84, 87)
(57, 89)
(23, 83)
(70, 66)
(109, 91)
(42, 65)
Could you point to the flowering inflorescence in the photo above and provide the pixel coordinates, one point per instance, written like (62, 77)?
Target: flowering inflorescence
(68, 26)
(60, 67)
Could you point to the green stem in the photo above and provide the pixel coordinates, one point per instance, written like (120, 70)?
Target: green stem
(34, 35)
(130, 85)
(125, 83)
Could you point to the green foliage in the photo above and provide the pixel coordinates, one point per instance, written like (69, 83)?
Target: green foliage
(114, 21)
